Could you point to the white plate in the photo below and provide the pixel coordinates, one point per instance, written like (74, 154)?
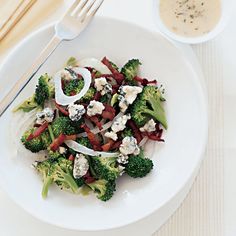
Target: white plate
(175, 161)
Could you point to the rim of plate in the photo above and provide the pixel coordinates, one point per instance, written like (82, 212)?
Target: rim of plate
(202, 100)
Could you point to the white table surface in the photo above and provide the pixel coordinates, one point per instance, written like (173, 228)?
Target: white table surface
(210, 208)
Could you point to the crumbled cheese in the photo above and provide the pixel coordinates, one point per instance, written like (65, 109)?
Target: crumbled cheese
(95, 108)
(76, 111)
(81, 166)
(127, 96)
(46, 115)
(129, 146)
(66, 75)
(121, 169)
(102, 85)
(150, 126)
(122, 159)
(112, 135)
(62, 150)
(119, 123)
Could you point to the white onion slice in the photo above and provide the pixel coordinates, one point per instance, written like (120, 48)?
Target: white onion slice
(143, 141)
(87, 151)
(104, 127)
(94, 63)
(63, 99)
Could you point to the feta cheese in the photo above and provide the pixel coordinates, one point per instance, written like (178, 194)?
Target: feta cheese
(129, 146)
(122, 159)
(127, 96)
(112, 135)
(81, 166)
(76, 111)
(62, 150)
(150, 126)
(95, 108)
(66, 75)
(46, 115)
(102, 85)
(119, 124)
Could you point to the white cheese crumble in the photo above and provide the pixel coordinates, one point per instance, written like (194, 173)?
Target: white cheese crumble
(127, 95)
(76, 111)
(121, 169)
(62, 150)
(66, 75)
(81, 166)
(129, 146)
(119, 124)
(150, 126)
(46, 115)
(102, 85)
(95, 108)
(122, 159)
(112, 135)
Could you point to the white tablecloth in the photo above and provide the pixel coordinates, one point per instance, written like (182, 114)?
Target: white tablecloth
(209, 209)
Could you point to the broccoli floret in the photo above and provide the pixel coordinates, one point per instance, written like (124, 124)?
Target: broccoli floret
(75, 86)
(127, 132)
(105, 98)
(61, 172)
(63, 125)
(105, 167)
(44, 90)
(84, 141)
(80, 182)
(114, 65)
(27, 106)
(72, 61)
(36, 144)
(44, 168)
(148, 105)
(54, 155)
(138, 166)
(103, 188)
(130, 70)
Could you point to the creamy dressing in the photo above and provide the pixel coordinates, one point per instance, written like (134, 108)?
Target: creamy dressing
(190, 18)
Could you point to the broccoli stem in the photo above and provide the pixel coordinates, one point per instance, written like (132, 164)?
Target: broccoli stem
(71, 182)
(158, 112)
(48, 181)
(51, 133)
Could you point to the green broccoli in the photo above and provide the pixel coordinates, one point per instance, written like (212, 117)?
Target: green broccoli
(44, 168)
(105, 167)
(138, 166)
(105, 98)
(148, 105)
(63, 125)
(80, 182)
(130, 70)
(27, 106)
(103, 188)
(44, 90)
(127, 132)
(84, 141)
(75, 86)
(36, 144)
(114, 65)
(61, 172)
(54, 155)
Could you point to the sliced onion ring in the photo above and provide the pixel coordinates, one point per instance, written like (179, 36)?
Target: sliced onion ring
(87, 151)
(63, 99)
(94, 63)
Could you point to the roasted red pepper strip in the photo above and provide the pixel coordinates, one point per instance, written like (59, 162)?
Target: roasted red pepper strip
(57, 142)
(71, 137)
(144, 81)
(106, 147)
(71, 157)
(116, 145)
(109, 112)
(97, 96)
(38, 131)
(117, 75)
(136, 131)
(88, 178)
(92, 138)
(61, 109)
(96, 121)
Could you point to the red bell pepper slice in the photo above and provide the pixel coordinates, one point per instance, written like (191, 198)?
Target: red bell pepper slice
(38, 131)
(136, 131)
(57, 142)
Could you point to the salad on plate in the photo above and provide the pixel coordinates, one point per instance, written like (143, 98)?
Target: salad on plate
(91, 121)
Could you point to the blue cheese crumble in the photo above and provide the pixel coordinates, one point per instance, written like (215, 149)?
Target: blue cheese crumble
(46, 115)
(81, 166)
(150, 126)
(95, 108)
(76, 111)
(129, 146)
(102, 86)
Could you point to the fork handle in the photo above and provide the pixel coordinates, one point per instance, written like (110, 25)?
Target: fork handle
(29, 74)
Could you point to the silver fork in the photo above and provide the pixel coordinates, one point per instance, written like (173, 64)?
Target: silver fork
(69, 27)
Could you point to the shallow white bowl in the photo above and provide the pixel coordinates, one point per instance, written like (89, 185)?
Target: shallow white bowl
(175, 162)
(227, 7)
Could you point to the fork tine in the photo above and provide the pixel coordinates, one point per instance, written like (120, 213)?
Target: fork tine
(87, 10)
(90, 15)
(73, 6)
(80, 8)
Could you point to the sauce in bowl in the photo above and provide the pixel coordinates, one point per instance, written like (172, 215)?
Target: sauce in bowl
(190, 18)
